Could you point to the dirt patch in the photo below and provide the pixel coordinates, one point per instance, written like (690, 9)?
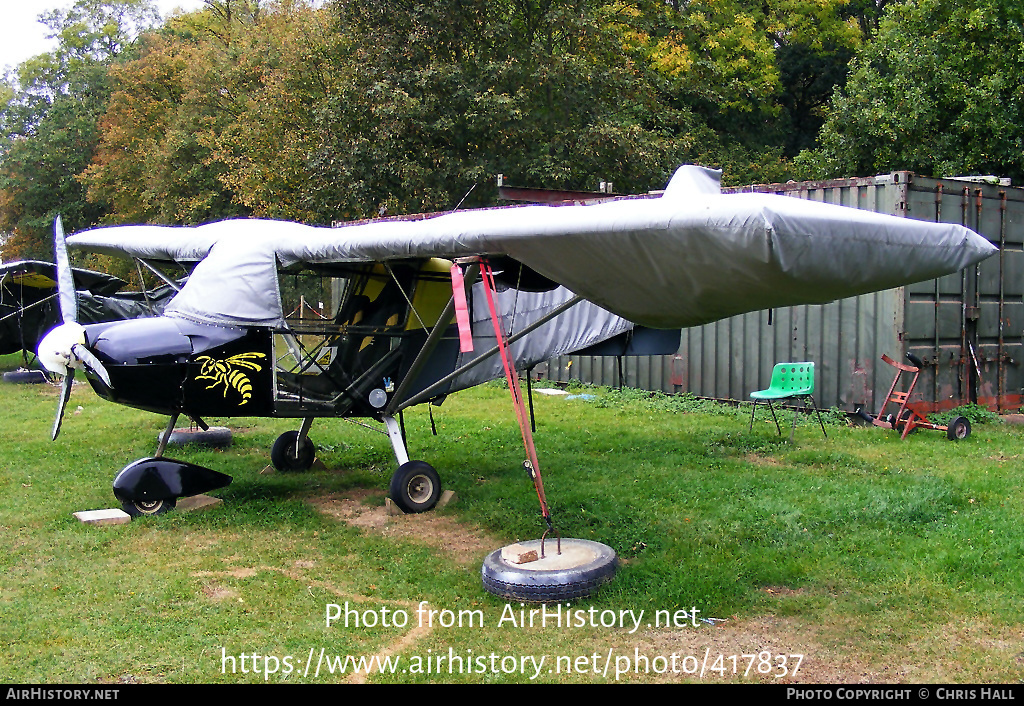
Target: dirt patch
(464, 544)
(766, 637)
(216, 592)
(759, 460)
(350, 509)
(932, 658)
(781, 591)
(237, 573)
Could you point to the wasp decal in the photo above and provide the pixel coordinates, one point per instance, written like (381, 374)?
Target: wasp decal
(228, 372)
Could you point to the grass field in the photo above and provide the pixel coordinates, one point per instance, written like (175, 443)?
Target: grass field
(862, 558)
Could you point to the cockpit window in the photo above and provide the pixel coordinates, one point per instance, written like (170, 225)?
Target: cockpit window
(345, 328)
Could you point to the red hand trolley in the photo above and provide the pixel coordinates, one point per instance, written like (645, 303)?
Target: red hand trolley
(909, 416)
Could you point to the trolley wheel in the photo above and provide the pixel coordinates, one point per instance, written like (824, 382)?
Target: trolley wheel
(905, 419)
(958, 429)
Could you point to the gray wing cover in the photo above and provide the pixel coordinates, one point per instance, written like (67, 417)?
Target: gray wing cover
(688, 257)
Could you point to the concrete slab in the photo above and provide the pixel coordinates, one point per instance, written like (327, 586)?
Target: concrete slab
(197, 502)
(518, 554)
(573, 555)
(110, 516)
(447, 497)
(117, 516)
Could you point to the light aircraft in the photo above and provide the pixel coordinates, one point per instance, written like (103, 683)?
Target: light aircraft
(365, 320)
(28, 302)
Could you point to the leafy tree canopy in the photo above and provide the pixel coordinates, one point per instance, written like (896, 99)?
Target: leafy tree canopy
(325, 111)
(49, 120)
(937, 91)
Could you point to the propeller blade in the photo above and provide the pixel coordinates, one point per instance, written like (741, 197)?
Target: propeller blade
(65, 277)
(91, 362)
(65, 393)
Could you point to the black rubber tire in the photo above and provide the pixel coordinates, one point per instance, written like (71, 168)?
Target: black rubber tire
(282, 455)
(214, 437)
(958, 429)
(25, 376)
(415, 486)
(145, 508)
(514, 582)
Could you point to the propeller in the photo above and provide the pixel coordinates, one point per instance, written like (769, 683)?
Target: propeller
(63, 350)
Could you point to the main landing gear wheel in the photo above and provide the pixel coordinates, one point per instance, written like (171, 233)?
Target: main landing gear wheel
(958, 429)
(144, 508)
(581, 568)
(415, 486)
(283, 455)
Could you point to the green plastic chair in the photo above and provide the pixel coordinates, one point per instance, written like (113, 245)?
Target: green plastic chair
(789, 381)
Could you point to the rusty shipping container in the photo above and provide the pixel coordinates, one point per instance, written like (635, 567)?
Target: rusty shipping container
(967, 327)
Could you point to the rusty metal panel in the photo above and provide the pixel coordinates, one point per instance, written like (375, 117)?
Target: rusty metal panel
(973, 344)
(968, 327)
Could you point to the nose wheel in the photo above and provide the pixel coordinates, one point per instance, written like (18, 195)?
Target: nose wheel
(145, 508)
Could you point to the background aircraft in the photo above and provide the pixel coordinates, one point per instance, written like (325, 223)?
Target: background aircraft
(29, 307)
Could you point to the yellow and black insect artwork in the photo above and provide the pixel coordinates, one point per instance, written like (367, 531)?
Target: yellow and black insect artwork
(227, 373)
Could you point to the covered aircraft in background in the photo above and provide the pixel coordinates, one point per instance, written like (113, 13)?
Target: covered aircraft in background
(29, 308)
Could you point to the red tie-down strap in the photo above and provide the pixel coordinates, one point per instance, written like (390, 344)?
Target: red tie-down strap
(517, 397)
(461, 310)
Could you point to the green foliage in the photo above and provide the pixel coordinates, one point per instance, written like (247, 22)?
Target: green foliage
(861, 541)
(320, 112)
(345, 110)
(50, 121)
(687, 403)
(975, 414)
(936, 91)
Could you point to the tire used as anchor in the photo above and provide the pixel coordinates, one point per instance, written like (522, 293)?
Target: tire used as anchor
(581, 569)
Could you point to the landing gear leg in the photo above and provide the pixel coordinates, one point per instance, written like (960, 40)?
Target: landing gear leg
(165, 437)
(415, 486)
(397, 440)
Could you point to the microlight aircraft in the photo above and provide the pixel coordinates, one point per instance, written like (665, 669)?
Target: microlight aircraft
(29, 308)
(409, 310)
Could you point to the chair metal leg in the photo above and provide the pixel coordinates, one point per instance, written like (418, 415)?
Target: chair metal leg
(821, 423)
(774, 418)
(754, 407)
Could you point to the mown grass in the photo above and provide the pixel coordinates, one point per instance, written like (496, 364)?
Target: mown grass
(881, 559)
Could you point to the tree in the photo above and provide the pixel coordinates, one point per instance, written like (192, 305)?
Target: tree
(937, 91)
(406, 106)
(49, 121)
(153, 163)
(755, 75)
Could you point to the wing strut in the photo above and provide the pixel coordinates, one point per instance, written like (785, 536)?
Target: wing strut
(532, 465)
